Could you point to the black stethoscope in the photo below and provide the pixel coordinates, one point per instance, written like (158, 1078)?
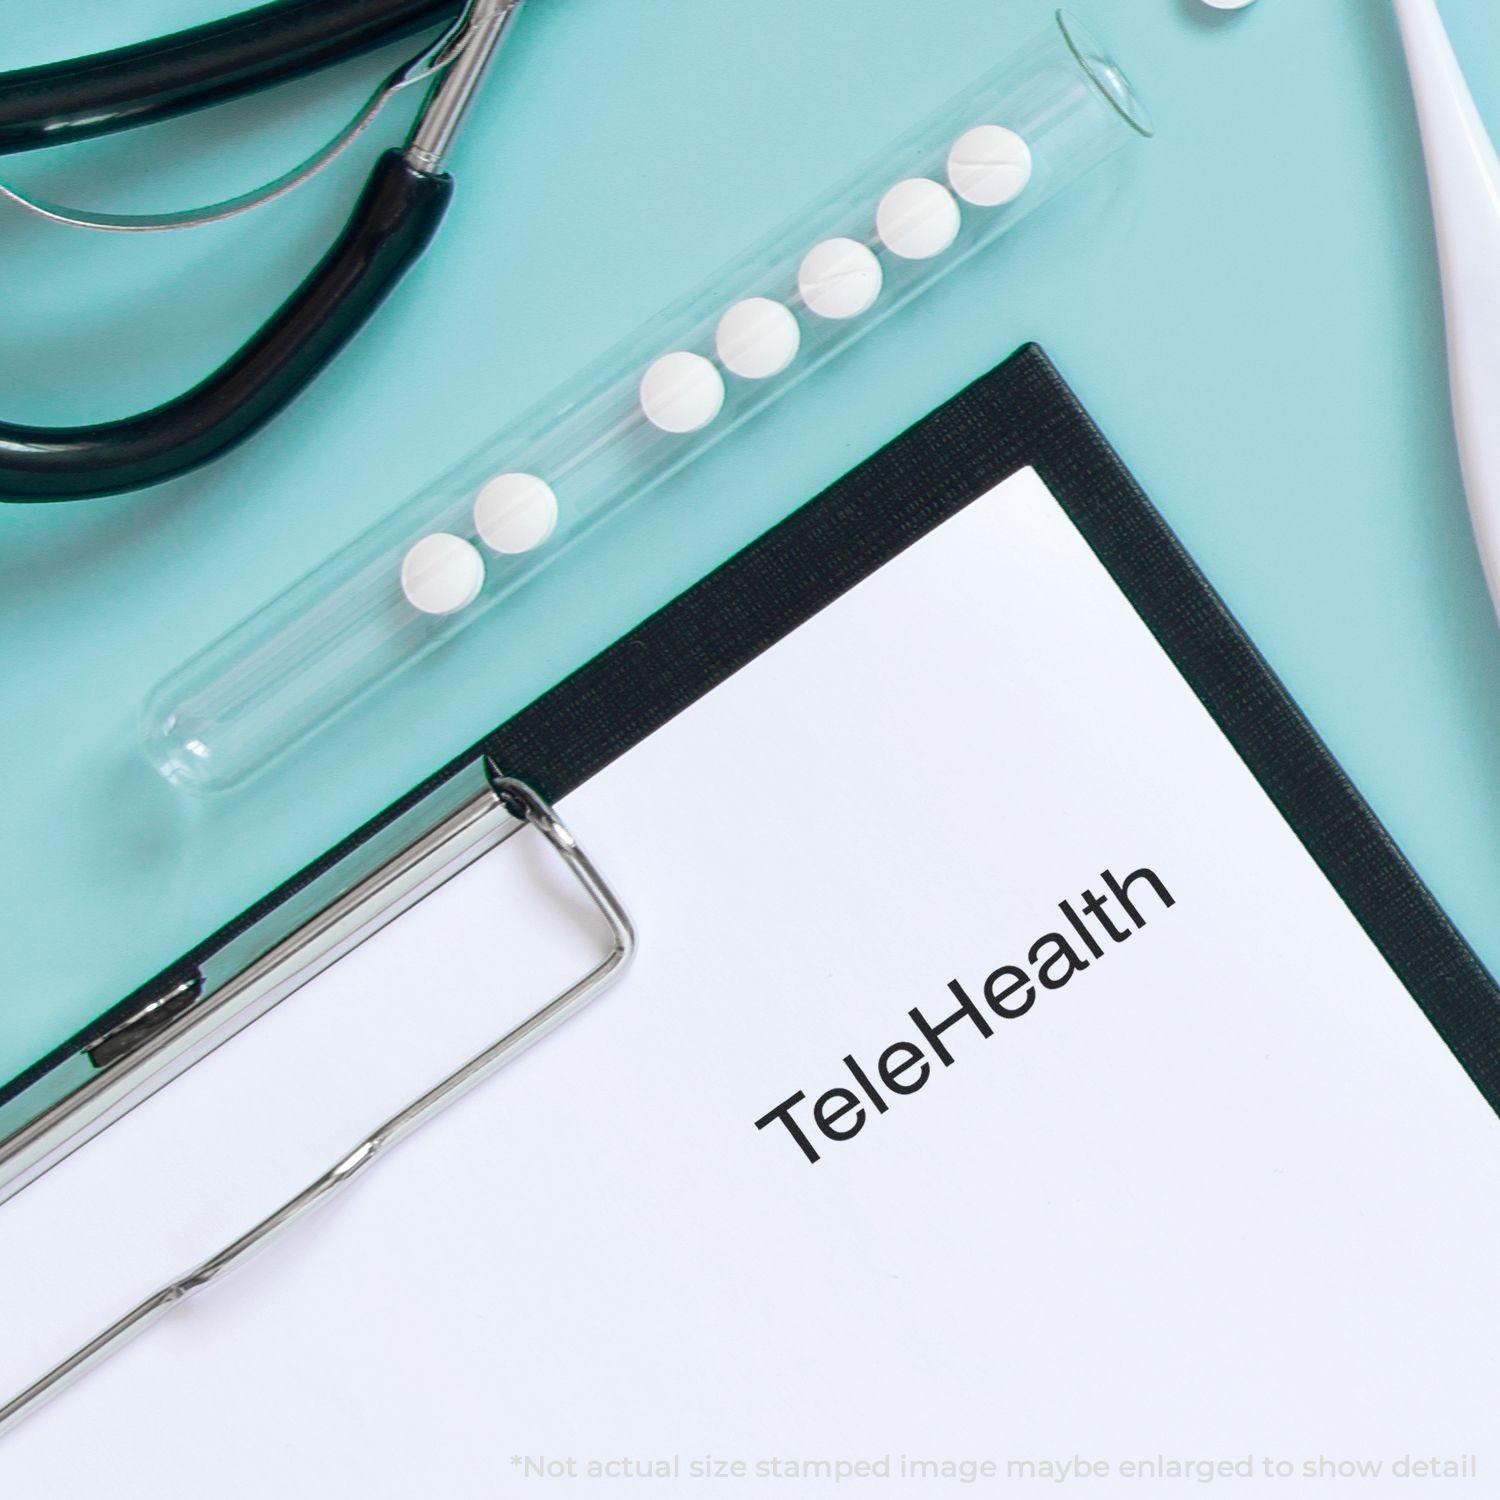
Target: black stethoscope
(395, 217)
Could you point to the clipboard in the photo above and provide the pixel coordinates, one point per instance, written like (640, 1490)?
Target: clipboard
(1020, 415)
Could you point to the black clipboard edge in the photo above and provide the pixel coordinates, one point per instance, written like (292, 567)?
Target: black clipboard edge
(1023, 413)
(1020, 414)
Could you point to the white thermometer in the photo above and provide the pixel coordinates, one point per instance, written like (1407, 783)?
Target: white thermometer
(1464, 173)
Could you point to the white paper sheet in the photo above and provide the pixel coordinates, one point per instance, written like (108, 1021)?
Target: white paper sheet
(1222, 1198)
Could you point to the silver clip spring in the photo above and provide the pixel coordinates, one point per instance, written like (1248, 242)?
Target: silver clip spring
(526, 805)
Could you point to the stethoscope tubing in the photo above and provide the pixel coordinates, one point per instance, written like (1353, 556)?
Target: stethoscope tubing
(58, 103)
(391, 224)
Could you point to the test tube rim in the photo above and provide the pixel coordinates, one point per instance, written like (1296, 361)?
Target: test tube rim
(1119, 93)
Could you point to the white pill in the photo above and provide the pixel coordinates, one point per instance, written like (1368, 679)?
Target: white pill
(839, 278)
(917, 219)
(989, 165)
(515, 512)
(682, 392)
(1228, 4)
(757, 338)
(442, 573)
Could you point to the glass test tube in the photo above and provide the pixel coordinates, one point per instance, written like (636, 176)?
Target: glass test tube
(443, 559)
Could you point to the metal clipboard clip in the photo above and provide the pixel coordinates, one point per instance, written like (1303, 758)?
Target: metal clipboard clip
(504, 797)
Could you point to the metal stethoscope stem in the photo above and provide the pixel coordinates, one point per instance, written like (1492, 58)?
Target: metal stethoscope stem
(392, 223)
(483, 29)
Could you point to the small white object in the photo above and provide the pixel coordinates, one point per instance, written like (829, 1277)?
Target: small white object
(1463, 171)
(515, 512)
(682, 392)
(917, 219)
(839, 278)
(1229, 4)
(442, 573)
(989, 166)
(757, 338)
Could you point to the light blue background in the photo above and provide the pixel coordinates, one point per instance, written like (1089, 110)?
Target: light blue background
(1249, 307)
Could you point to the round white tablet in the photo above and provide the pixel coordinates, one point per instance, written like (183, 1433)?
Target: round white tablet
(441, 573)
(989, 165)
(515, 512)
(1228, 4)
(757, 338)
(839, 278)
(682, 392)
(917, 219)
